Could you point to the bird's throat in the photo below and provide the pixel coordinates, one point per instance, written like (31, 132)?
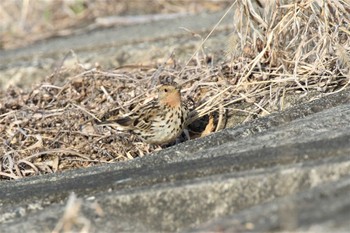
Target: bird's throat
(173, 100)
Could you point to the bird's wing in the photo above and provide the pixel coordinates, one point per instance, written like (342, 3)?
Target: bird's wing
(144, 118)
(141, 118)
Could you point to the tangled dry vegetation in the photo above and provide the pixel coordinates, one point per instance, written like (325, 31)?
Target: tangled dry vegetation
(276, 51)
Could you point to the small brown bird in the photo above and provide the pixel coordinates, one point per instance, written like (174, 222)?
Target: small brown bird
(160, 121)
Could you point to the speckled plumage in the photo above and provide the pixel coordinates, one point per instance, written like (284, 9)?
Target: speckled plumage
(162, 120)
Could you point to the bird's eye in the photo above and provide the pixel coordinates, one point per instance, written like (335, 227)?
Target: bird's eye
(165, 90)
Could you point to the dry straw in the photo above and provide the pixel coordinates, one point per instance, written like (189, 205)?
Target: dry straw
(279, 53)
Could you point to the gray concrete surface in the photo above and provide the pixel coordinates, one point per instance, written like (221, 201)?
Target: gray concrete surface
(325, 208)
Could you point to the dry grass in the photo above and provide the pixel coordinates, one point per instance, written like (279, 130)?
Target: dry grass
(275, 52)
(73, 219)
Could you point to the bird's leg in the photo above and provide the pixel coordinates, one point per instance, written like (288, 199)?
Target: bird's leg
(187, 134)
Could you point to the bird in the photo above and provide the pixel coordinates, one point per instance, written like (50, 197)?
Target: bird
(160, 121)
